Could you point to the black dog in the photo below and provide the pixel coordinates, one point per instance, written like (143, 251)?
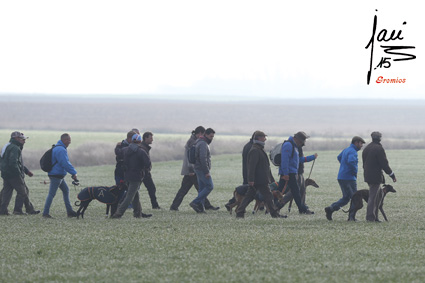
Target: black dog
(359, 196)
(108, 195)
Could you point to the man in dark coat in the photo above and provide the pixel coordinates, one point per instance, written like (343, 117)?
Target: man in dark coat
(374, 161)
(13, 172)
(136, 162)
(259, 176)
(147, 140)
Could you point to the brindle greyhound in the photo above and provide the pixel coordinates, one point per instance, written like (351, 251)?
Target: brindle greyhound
(357, 202)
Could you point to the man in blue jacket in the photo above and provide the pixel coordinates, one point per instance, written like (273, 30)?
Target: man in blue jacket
(61, 166)
(347, 175)
(288, 168)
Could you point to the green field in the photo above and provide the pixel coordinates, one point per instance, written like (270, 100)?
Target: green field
(187, 247)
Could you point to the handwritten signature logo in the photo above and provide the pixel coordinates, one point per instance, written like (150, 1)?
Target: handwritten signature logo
(384, 35)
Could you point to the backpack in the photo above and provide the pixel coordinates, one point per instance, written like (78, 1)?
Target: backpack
(191, 154)
(276, 153)
(46, 160)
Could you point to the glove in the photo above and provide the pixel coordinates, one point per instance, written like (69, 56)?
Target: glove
(393, 177)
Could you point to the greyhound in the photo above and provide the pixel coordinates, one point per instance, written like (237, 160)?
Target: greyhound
(357, 202)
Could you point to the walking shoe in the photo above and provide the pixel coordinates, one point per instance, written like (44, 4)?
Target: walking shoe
(34, 212)
(329, 212)
(279, 216)
(195, 207)
(4, 214)
(307, 212)
(240, 215)
(174, 209)
(116, 216)
(227, 206)
(156, 207)
(72, 214)
(212, 208)
(19, 213)
(146, 215)
(47, 216)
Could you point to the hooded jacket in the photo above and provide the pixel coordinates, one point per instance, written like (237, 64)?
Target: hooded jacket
(61, 161)
(136, 163)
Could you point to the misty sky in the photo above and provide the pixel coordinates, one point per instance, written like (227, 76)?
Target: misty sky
(288, 49)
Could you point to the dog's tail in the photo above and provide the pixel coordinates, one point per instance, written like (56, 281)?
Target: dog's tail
(77, 203)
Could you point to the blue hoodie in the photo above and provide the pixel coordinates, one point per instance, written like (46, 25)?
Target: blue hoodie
(348, 160)
(289, 163)
(61, 161)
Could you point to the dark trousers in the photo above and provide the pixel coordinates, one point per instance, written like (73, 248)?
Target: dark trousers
(150, 186)
(250, 195)
(295, 191)
(9, 185)
(288, 196)
(187, 183)
(26, 201)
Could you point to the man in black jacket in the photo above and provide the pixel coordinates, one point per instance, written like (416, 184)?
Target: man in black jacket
(147, 140)
(374, 161)
(259, 176)
(136, 162)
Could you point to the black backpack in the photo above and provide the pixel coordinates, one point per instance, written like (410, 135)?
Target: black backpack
(191, 154)
(46, 160)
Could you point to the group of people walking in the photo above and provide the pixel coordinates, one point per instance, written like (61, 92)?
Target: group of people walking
(133, 167)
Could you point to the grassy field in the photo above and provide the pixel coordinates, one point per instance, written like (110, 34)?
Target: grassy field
(187, 247)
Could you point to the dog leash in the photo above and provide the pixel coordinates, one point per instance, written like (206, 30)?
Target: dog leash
(311, 168)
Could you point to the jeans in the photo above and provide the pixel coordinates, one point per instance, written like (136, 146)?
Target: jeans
(205, 187)
(56, 183)
(348, 188)
(187, 183)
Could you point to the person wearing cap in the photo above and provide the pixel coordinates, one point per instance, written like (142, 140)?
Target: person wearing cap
(136, 162)
(300, 179)
(347, 175)
(259, 177)
(202, 169)
(245, 151)
(189, 176)
(61, 166)
(288, 168)
(374, 162)
(13, 173)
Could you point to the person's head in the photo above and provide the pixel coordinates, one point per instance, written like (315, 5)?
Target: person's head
(136, 131)
(18, 136)
(209, 134)
(259, 136)
(376, 136)
(199, 131)
(130, 135)
(358, 142)
(136, 138)
(66, 139)
(300, 138)
(147, 137)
